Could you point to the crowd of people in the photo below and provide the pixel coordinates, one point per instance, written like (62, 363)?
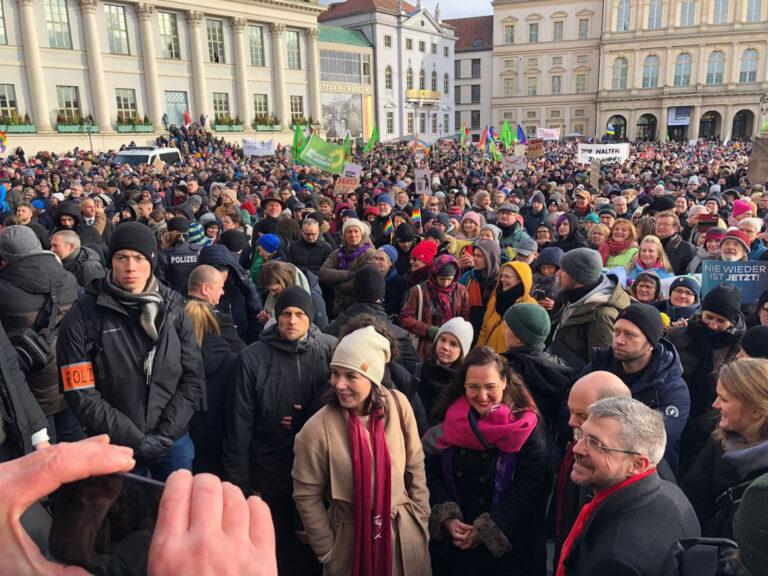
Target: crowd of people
(440, 381)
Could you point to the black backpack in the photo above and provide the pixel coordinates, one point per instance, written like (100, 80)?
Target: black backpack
(702, 557)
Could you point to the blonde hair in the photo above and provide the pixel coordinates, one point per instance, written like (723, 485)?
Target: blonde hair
(651, 239)
(203, 320)
(630, 227)
(281, 273)
(746, 379)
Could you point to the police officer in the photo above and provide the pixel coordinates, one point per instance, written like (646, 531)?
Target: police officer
(177, 258)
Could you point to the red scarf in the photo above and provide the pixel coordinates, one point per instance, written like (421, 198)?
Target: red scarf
(614, 248)
(563, 476)
(586, 514)
(373, 520)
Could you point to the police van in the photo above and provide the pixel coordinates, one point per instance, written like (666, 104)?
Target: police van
(147, 155)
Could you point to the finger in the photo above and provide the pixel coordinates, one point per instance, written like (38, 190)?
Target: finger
(298, 407)
(262, 531)
(205, 510)
(173, 514)
(235, 516)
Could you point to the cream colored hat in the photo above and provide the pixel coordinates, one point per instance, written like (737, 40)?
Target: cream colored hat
(365, 351)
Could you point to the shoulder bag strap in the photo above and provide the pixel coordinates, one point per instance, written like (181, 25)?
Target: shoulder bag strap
(406, 477)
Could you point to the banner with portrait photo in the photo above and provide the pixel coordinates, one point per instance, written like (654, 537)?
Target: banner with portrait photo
(342, 113)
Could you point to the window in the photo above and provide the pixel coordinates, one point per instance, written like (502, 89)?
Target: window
(476, 68)
(651, 72)
(507, 115)
(408, 44)
(3, 37)
(748, 72)
(753, 10)
(422, 123)
(578, 112)
(532, 62)
(457, 69)
(446, 123)
(557, 61)
(533, 86)
(457, 119)
(294, 49)
(509, 34)
(434, 48)
(457, 94)
(297, 108)
(715, 66)
(126, 105)
(530, 115)
(256, 45)
(619, 74)
(554, 114)
(434, 123)
(390, 123)
(8, 105)
(582, 59)
(338, 66)
(409, 79)
(220, 106)
(474, 120)
(117, 31)
(579, 128)
(622, 15)
(434, 81)
(410, 123)
(557, 31)
(687, 12)
(366, 61)
(655, 11)
(446, 83)
(422, 46)
(69, 103)
(583, 29)
(683, 69)
(388, 78)
(387, 40)
(422, 80)
(509, 63)
(260, 105)
(557, 84)
(533, 32)
(581, 83)
(475, 91)
(215, 30)
(57, 24)
(720, 12)
(509, 86)
(169, 35)
(446, 51)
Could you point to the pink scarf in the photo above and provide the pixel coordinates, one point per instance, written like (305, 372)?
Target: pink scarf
(373, 532)
(500, 427)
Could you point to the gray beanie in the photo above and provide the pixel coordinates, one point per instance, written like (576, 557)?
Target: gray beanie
(583, 265)
(17, 242)
(461, 329)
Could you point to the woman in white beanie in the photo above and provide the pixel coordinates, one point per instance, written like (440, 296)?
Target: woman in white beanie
(362, 452)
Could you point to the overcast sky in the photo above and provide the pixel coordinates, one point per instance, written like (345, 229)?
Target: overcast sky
(452, 8)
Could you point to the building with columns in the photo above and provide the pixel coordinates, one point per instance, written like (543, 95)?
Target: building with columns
(61, 60)
(413, 64)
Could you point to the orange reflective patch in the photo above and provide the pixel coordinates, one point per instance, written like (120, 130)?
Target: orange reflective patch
(77, 376)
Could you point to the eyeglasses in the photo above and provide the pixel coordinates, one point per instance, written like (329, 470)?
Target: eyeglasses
(595, 444)
(475, 389)
(683, 292)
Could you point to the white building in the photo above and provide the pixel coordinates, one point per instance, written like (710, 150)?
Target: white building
(413, 68)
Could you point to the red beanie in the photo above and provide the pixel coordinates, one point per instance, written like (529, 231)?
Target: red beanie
(425, 251)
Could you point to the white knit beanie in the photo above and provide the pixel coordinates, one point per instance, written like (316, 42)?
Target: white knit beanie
(461, 329)
(349, 222)
(365, 351)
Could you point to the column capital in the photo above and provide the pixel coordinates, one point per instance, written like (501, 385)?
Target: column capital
(145, 10)
(22, 3)
(313, 34)
(88, 6)
(277, 28)
(239, 24)
(194, 17)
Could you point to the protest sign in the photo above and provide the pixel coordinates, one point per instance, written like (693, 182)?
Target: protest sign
(750, 277)
(423, 185)
(594, 175)
(519, 150)
(346, 184)
(548, 134)
(758, 162)
(535, 149)
(514, 163)
(352, 170)
(253, 147)
(589, 153)
(323, 155)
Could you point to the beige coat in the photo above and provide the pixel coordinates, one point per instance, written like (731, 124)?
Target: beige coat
(322, 472)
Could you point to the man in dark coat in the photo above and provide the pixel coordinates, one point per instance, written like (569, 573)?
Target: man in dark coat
(274, 222)
(635, 517)
(128, 358)
(679, 252)
(68, 217)
(311, 250)
(83, 262)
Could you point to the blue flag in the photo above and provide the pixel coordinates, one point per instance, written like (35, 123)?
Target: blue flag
(521, 135)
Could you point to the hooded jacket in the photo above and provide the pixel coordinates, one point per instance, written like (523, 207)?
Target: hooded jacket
(89, 236)
(532, 220)
(479, 284)
(85, 265)
(492, 331)
(574, 238)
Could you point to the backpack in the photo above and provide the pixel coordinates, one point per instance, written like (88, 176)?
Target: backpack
(702, 557)
(34, 346)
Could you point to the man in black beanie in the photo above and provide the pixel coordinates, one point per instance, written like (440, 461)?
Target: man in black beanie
(129, 362)
(279, 384)
(650, 367)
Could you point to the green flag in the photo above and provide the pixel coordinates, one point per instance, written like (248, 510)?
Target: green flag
(299, 142)
(507, 137)
(324, 155)
(347, 147)
(372, 141)
(495, 151)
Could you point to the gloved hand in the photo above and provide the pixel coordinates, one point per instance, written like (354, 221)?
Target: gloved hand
(153, 448)
(432, 332)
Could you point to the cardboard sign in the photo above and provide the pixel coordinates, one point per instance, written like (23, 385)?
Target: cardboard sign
(750, 277)
(514, 162)
(535, 149)
(594, 175)
(519, 150)
(346, 184)
(352, 170)
(158, 164)
(758, 163)
(423, 181)
(589, 153)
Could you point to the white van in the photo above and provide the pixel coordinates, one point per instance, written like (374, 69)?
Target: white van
(147, 155)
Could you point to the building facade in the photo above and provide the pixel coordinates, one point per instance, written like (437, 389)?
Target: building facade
(473, 67)
(413, 65)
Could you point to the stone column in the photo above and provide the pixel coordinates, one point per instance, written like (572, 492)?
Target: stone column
(693, 128)
(726, 121)
(315, 107)
(95, 65)
(195, 25)
(733, 65)
(34, 67)
(241, 71)
(146, 13)
(278, 66)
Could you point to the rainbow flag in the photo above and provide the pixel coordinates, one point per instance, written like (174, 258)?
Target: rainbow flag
(483, 138)
(418, 145)
(3, 142)
(416, 216)
(389, 227)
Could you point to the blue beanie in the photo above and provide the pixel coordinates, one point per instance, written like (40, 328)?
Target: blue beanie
(385, 198)
(390, 251)
(270, 243)
(38, 204)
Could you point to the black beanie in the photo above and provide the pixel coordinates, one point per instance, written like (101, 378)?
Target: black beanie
(724, 300)
(295, 297)
(234, 240)
(369, 285)
(646, 318)
(404, 233)
(447, 270)
(755, 342)
(178, 224)
(134, 236)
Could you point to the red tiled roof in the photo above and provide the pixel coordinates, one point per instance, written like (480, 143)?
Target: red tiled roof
(350, 7)
(474, 33)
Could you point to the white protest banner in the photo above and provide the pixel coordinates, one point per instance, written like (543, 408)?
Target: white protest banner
(589, 153)
(253, 147)
(352, 170)
(548, 133)
(515, 163)
(520, 150)
(423, 185)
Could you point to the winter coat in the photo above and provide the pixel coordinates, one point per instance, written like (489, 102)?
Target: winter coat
(25, 288)
(532, 220)
(679, 252)
(102, 352)
(395, 290)
(287, 228)
(661, 387)
(462, 485)
(434, 379)
(85, 265)
(574, 238)
(492, 330)
(308, 255)
(713, 474)
(89, 236)
(632, 531)
(272, 376)
(341, 280)
(588, 323)
(694, 267)
(175, 264)
(323, 492)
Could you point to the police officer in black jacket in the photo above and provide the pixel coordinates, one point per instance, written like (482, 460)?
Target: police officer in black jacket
(178, 257)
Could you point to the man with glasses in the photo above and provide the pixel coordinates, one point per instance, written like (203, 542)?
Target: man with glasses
(311, 250)
(752, 227)
(679, 252)
(635, 516)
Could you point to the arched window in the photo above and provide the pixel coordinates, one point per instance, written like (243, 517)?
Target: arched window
(655, 11)
(715, 66)
(388, 78)
(409, 79)
(446, 84)
(619, 74)
(422, 80)
(622, 15)
(683, 69)
(651, 72)
(434, 81)
(748, 72)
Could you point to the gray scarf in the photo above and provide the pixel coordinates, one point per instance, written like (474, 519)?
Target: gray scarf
(150, 301)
